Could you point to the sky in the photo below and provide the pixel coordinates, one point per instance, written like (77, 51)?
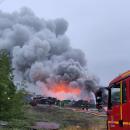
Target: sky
(101, 28)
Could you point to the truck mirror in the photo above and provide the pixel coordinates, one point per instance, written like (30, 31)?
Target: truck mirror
(109, 99)
(102, 96)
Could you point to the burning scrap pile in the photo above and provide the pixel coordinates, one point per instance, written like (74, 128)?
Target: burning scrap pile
(42, 57)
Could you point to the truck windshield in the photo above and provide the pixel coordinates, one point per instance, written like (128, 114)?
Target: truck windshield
(115, 94)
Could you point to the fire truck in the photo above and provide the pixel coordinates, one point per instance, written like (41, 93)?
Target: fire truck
(118, 114)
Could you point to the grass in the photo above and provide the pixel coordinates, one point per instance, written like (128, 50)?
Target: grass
(68, 119)
(79, 128)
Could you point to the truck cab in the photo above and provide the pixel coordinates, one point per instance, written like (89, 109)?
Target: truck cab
(118, 114)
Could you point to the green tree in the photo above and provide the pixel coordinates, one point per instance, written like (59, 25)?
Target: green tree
(11, 100)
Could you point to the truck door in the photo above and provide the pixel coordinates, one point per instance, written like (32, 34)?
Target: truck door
(117, 119)
(125, 105)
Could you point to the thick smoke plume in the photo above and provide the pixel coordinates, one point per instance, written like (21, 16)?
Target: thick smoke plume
(41, 54)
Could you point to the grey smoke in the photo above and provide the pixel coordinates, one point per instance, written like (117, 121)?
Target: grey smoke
(41, 52)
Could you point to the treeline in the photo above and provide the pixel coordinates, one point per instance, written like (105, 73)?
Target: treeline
(11, 100)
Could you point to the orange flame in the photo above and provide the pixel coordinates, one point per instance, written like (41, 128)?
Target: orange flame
(63, 88)
(61, 91)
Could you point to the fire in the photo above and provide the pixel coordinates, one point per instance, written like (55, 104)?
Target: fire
(62, 90)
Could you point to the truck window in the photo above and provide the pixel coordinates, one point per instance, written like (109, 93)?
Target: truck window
(115, 94)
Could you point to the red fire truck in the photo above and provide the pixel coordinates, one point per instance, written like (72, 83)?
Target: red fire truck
(119, 103)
